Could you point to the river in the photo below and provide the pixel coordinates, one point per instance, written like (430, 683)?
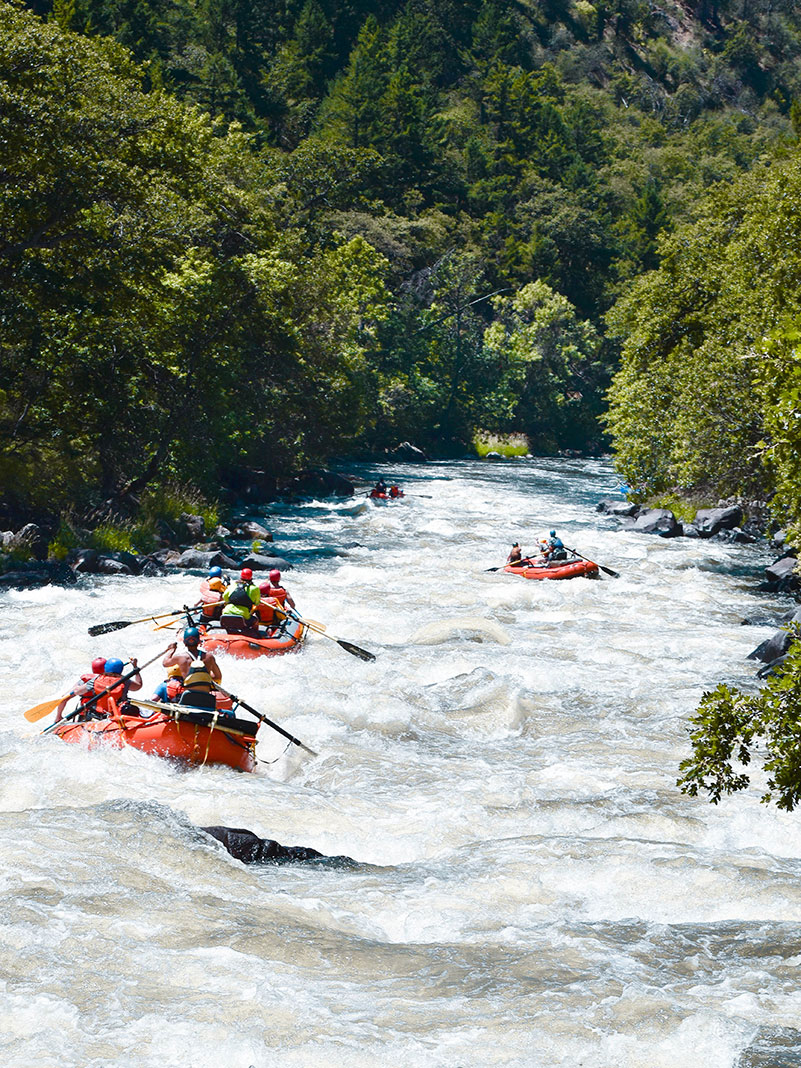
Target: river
(532, 890)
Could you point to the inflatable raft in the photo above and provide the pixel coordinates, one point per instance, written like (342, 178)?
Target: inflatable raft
(271, 642)
(562, 569)
(174, 731)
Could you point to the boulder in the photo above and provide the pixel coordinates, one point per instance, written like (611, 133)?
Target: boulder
(107, 565)
(408, 453)
(151, 568)
(257, 562)
(30, 574)
(735, 535)
(780, 575)
(658, 521)
(249, 529)
(194, 526)
(194, 558)
(169, 557)
(712, 520)
(777, 644)
(613, 506)
(84, 561)
(493, 456)
(690, 530)
(778, 538)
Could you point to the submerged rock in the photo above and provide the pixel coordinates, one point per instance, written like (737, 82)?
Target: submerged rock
(246, 846)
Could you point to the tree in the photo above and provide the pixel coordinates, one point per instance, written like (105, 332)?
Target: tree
(732, 730)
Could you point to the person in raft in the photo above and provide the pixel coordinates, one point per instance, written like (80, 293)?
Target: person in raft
(553, 547)
(111, 676)
(199, 689)
(191, 640)
(239, 615)
(170, 690)
(395, 491)
(380, 488)
(83, 687)
(516, 558)
(273, 595)
(216, 583)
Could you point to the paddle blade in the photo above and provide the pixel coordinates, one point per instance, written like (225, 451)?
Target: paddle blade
(44, 709)
(354, 650)
(106, 628)
(609, 571)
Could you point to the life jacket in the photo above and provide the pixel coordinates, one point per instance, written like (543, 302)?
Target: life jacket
(278, 593)
(108, 702)
(198, 678)
(174, 688)
(394, 491)
(265, 612)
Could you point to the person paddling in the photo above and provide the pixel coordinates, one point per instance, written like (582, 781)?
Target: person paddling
(239, 614)
(191, 640)
(84, 686)
(110, 702)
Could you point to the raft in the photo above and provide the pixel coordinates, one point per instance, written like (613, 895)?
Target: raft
(563, 569)
(174, 731)
(384, 498)
(275, 640)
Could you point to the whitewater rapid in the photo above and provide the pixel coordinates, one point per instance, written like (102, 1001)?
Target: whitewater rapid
(532, 890)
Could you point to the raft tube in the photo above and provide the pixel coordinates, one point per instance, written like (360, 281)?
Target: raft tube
(174, 731)
(563, 569)
(272, 642)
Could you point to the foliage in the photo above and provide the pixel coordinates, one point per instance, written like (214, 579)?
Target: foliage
(505, 444)
(276, 238)
(731, 730)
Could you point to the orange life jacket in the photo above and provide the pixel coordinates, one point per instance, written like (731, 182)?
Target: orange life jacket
(109, 701)
(174, 688)
(278, 593)
(265, 612)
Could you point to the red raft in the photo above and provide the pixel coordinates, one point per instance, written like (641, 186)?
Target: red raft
(272, 642)
(174, 731)
(563, 569)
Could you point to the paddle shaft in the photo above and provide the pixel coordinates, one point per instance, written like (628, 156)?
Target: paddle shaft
(349, 647)
(264, 719)
(123, 678)
(606, 570)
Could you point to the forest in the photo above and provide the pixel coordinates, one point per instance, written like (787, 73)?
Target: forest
(241, 235)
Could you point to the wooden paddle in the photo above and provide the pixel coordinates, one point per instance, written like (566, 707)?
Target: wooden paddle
(606, 570)
(46, 707)
(318, 628)
(522, 562)
(264, 719)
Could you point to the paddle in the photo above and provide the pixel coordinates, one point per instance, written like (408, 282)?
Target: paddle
(523, 562)
(606, 570)
(92, 700)
(107, 628)
(318, 628)
(264, 719)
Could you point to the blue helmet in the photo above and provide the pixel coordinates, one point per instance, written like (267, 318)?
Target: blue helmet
(215, 572)
(113, 666)
(552, 533)
(192, 634)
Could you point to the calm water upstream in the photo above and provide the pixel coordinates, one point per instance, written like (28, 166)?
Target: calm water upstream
(532, 889)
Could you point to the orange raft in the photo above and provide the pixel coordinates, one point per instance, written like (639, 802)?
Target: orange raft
(562, 570)
(272, 642)
(174, 731)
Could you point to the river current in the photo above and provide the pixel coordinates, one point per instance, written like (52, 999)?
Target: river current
(531, 888)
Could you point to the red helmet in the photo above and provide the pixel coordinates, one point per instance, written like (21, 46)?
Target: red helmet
(98, 665)
(246, 574)
(275, 575)
(264, 588)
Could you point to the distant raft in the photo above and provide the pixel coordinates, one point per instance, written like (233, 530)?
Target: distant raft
(176, 732)
(271, 642)
(562, 569)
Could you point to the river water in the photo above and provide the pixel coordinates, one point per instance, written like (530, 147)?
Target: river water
(531, 888)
